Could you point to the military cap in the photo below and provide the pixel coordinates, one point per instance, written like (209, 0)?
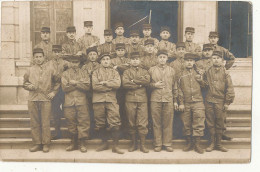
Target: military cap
(180, 44)
(108, 32)
(72, 58)
(213, 34)
(88, 23)
(38, 50)
(147, 26)
(135, 54)
(46, 29)
(165, 28)
(217, 53)
(56, 48)
(71, 29)
(120, 46)
(191, 56)
(149, 41)
(92, 49)
(207, 47)
(104, 55)
(134, 33)
(119, 24)
(162, 51)
(190, 29)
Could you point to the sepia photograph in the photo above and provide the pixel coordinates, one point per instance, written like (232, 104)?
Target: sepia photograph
(126, 81)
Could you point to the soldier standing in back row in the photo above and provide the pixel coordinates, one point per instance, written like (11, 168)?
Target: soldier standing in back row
(45, 43)
(190, 46)
(147, 31)
(134, 44)
(88, 40)
(119, 30)
(149, 59)
(71, 47)
(108, 46)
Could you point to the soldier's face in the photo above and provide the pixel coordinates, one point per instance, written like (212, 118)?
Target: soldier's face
(120, 52)
(165, 35)
(45, 36)
(92, 56)
(74, 64)
(147, 32)
(71, 35)
(149, 48)
(57, 54)
(217, 61)
(213, 40)
(162, 59)
(207, 53)
(180, 51)
(105, 61)
(135, 62)
(189, 63)
(108, 38)
(38, 58)
(189, 36)
(134, 39)
(119, 31)
(88, 29)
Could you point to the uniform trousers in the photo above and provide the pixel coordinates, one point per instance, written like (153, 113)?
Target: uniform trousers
(106, 114)
(57, 109)
(78, 120)
(215, 117)
(40, 112)
(162, 116)
(193, 119)
(137, 114)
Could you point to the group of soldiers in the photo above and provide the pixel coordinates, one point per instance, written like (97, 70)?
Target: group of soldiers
(131, 79)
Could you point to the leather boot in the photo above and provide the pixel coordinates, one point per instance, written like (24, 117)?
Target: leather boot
(197, 147)
(142, 144)
(133, 146)
(46, 148)
(74, 143)
(82, 145)
(219, 144)
(211, 147)
(36, 148)
(189, 145)
(115, 136)
(104, 145)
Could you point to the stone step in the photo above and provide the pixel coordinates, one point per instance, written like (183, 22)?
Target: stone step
(239, 132)
(238, 121)
(24, 143)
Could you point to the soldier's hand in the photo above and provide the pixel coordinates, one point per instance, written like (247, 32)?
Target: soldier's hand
(181, 108)
(73, 82)
(175, 106)
(225, 107)
(31, 87)
(115, 67)
(50, 95)
(198, 77)
(79, 53)
(159, 84)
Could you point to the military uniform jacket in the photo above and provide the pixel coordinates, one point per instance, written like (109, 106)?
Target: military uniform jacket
(105, 93)
(122, 64)
(178, 66)
(134, 48)
(135, 79)
(90, 67)
(220, 87)
(71, 47)
(86, 40)
(228, 56)
(107, 47)
(148, 61)
(59, 65)
(189, 88)
(192, 47)
(204, 64)
(169, 46)
(156, 41)
(47, 48)
(75, 95)
(165, 74)
(120, 39)
(44, 79)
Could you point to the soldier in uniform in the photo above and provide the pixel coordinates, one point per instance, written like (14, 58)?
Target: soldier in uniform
(165, 34)
(71, 47)
(75, 82)
(42, 83)
(178, 64)
(135, 79)
(163, 101)
(134, 43)
(190, 46)
(59, 65)
(108, 46)
(205, 62)
(119, 30)
(149, 59)
(121, 62)
(228, 56)
(105, 82)
(220, 95)
(88, 40)
(191, 103)
(45, 44)
(147, 31)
